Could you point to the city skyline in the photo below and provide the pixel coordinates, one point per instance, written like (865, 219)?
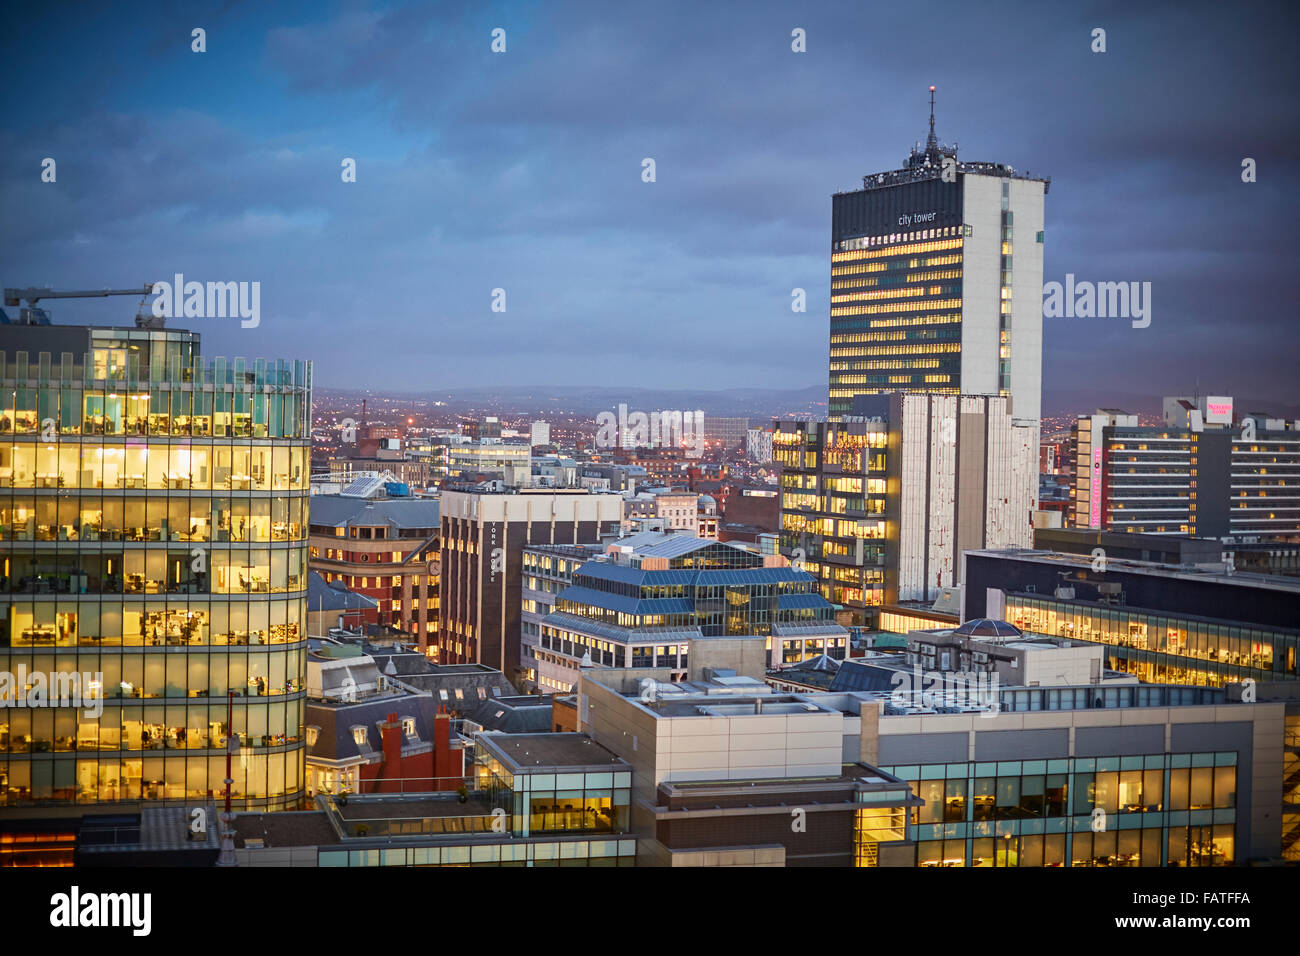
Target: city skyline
(513, 171)
(699, 436)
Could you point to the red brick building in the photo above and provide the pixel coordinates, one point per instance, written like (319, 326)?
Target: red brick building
(383, 548)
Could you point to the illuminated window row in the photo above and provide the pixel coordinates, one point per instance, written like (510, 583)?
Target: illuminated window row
(840, 337)
(892, 265)
(911, 379)
(931, 318)
(867, 242)
(850, 393)
(911, 348)
(874, 440)
(859, 268)
(887, 365)
(909, 293)
(903, 250)
(156, 465)
(900, 379)
(903, 293)
(896, 365)
(275, 778)
(874, 281)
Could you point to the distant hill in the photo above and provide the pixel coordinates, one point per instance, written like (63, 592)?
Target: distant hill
(584, 400)
(756, 403)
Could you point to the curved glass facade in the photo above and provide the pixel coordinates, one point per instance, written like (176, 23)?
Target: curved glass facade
(153, 520)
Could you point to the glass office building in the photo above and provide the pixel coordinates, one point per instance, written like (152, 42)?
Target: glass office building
(834, 483)
(153, 513)
(644, 608)
(1165, 623)
(1164, 648)
(1157, 810)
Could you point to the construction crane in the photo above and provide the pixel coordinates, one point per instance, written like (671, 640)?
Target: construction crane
(31, 315)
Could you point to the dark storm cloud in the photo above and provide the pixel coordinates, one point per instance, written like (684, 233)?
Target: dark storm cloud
(522, 171)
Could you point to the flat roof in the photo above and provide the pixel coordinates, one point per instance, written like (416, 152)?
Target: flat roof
(865, 776)
(283, 829)
(733, 705)
(1272, 582)
(397, 808)
(532, 753)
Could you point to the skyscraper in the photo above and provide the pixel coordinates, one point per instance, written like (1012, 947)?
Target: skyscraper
(153, 512)
(880, 506)
(936, 281)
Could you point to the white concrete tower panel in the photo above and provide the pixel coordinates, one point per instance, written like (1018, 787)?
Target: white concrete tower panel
(1026, 206)
(981, 284)
(942, 490)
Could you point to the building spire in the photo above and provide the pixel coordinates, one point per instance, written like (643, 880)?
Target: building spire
(932, 143)
(934, 152)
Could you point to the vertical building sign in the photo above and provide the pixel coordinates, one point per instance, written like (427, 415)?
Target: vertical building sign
(1094, 515)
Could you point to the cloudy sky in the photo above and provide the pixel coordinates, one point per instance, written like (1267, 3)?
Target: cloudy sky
(522, 170)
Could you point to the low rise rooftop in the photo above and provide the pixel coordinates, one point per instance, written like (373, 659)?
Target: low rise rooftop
(541, 753)
(1208, 574)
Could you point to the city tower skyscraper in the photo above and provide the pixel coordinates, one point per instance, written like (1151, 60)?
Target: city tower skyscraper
(936, 281)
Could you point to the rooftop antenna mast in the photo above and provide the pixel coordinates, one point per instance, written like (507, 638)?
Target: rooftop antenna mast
(932, 142)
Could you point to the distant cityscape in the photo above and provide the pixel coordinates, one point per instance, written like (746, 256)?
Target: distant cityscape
(933, 611)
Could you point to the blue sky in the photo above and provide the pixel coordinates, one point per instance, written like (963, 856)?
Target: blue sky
(522, 171)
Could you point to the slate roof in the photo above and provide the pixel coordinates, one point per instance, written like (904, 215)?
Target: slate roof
(339, 510)
(594, 628)
(405, 662)
(324, 596)
(469, 679)
(515, 715)
(861, 676)
(334, 741)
